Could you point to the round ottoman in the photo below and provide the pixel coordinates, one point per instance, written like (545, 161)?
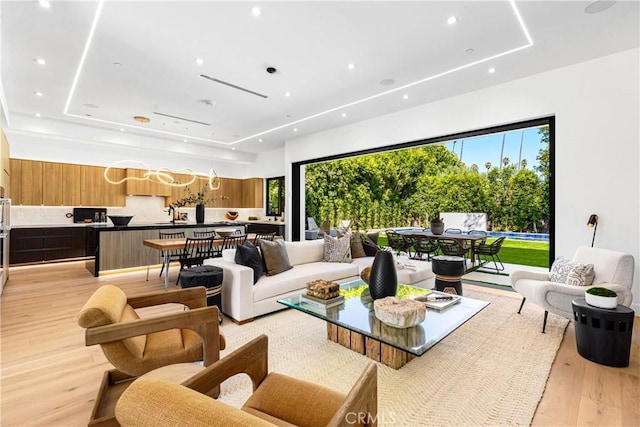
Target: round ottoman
(449, 271)
(208, 276)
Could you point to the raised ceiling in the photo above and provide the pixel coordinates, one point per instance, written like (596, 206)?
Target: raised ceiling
(141, 60)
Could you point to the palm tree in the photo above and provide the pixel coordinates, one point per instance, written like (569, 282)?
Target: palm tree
(488, 166)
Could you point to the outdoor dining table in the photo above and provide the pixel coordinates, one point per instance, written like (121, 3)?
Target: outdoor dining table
(460, 237)
(167, 245)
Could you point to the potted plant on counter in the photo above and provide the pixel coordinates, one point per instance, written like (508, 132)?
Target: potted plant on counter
(601, 297)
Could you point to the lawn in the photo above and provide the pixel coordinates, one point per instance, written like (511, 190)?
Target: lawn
(522, 252)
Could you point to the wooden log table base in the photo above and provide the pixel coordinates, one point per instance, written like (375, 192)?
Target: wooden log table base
(371, 347)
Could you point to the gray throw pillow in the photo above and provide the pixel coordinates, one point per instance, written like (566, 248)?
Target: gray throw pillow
(248, 255)
(276, 259)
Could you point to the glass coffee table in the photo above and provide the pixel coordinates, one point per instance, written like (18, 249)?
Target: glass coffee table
(354, 325)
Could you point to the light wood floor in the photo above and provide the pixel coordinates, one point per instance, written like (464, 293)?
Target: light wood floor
(49, 377)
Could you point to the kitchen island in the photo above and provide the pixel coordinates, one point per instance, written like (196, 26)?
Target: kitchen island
(111, 247)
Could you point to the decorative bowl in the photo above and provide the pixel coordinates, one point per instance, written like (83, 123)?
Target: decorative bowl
(120, 219)
(225, 233)
(231, 215)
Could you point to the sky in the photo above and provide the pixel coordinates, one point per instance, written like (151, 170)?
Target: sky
(486, 148)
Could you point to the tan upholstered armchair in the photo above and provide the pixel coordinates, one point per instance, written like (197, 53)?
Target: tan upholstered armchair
(136, 346)
(276, 399)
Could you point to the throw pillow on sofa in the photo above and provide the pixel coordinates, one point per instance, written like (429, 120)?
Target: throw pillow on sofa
(357, 250)
(276, 259)
(337, 249)
(248, 255)
(370, 244)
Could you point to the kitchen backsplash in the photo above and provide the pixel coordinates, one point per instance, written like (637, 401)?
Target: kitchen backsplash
(144, 208)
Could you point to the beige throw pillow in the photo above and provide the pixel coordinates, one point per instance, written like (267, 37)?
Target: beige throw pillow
(276, 259)
(357, 250)
(581, 275)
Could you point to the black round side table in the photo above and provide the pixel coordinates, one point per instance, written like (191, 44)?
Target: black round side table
(603, 335)
(449, 271)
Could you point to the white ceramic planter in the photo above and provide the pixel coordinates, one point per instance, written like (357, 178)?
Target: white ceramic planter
(601, 302)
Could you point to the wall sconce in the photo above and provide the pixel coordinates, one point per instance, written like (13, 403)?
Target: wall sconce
(593, 222)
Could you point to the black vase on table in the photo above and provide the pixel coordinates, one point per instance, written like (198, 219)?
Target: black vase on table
(383, 281)
(199, 214)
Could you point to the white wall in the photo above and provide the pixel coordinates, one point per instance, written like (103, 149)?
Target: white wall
(596, 105)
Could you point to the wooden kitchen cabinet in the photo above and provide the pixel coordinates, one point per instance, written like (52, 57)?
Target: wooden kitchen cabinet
(136, 185)
(252, 193)
(71, 184)
(31, 183)
(15, 169)
(96, 191)
(52, 184)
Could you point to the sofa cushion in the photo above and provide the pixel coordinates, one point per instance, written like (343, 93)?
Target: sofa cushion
(305, 252)
(337, 249)
(275, 257)
(296, 279)
(248, 255)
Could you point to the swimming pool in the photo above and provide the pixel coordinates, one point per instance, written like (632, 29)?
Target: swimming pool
(538, 237)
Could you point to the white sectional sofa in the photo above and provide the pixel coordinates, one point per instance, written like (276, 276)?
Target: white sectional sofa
(243, 301)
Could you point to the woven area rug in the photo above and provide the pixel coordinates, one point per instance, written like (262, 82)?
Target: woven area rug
(490, 371)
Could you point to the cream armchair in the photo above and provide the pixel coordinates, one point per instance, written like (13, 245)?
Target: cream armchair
(613, 270)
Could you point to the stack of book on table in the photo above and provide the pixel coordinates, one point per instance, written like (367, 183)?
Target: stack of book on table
(322, 294)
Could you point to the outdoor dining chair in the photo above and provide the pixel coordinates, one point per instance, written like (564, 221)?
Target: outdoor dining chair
(490, 250)
(453, 247)
(398, 242)
(423, 245)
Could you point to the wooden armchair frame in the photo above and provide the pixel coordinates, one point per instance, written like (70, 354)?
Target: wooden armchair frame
(252, 359)
(201, 319)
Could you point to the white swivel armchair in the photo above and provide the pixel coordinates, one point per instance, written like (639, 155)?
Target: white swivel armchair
(613, 270)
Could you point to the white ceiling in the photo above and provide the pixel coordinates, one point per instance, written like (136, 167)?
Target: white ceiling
(309, 43)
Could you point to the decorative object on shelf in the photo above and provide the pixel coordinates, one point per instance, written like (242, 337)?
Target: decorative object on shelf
(231, 215)
(437, 226)
(200, 214)
(164, 175)
(199, 198)
(593, 222)
(252, 218)
(383, 281)
(601, 297)
(399, 313)
(120, 219)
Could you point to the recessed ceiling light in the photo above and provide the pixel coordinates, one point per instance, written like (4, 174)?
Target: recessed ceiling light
(470, 50)
(351, 66)
(121, 129)
(184, 140)
(233, 148)
(599, 6)
(117, 64)
(387, 82)
(40, 61)
(91, 106)
(256, 11)
(199, 61)
(38, 115)
(38, 93)
(452, 20)
(287, 94)
(492, 70)
(44, 3)
(295, 129)
(260, 140)
(344, 114)
(405, 96)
